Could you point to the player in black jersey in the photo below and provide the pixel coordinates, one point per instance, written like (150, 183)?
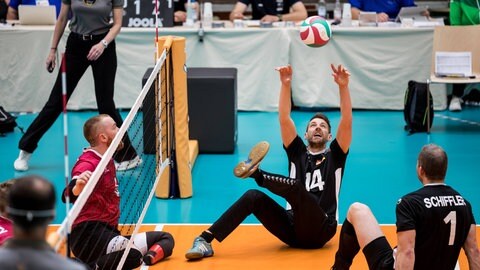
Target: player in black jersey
(433, 224)
(312, 188)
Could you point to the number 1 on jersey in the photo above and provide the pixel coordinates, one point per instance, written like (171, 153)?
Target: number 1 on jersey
(452, 219)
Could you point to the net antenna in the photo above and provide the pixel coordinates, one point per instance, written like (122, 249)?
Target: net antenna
(139, 184)
(65, 143)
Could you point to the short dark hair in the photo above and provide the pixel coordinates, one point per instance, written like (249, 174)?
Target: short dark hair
(321, 116)
(90, 128)
(434, 161)
(4, 191)
(31, 202)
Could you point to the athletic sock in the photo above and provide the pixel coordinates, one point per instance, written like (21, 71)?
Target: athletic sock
(347, 248)
(258, 176)
(208, 236)
(154, 255)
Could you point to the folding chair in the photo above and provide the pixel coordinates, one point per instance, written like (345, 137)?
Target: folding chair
(455, 39)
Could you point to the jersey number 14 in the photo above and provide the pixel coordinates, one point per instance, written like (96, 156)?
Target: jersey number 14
(315, 181)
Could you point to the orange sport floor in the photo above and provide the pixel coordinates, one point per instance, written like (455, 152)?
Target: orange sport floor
(252, 247)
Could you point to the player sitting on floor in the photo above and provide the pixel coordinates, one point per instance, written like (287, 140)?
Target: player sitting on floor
(311, 190)
(95, 238)
(433, 224)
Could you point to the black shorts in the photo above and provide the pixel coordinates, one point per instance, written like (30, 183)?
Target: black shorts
(89, 240)
(379, 254)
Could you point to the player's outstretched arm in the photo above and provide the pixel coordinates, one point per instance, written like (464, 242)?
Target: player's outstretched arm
(81, 181)
(405, 250)
(287, 126)
(471, 249)
(344, 133)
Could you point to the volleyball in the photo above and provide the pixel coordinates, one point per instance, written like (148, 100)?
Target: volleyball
(315, 31)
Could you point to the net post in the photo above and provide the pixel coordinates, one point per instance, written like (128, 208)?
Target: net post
(180, 111)
(178, 119)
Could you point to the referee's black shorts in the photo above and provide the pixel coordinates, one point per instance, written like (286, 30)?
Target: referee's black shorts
(379, 254)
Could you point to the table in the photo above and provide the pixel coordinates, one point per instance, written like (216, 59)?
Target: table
(381, 61)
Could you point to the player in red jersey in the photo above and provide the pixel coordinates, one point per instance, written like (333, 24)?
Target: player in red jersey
(95, 238)
(6, 226)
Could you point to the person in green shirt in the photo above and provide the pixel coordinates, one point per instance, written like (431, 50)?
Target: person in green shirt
(462, 12)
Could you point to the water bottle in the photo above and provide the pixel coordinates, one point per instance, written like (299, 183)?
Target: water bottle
(191, 13)
(322, 9)
(347, 15)
(337, 12)
(207, 17)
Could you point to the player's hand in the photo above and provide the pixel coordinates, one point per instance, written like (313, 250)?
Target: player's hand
(95, 52)
(269, 18)
(51, 59)
(340, 75)
(81, 181)
(180, 16)
(382, 17)
(285, 74)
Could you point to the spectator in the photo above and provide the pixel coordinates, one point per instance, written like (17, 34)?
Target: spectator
(31, 206)
(180, 10)
(3, 10)
(462, 12)
(385, 9)
(13, 6)
(271, 10)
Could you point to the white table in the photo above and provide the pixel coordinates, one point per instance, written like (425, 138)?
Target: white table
(381, 61)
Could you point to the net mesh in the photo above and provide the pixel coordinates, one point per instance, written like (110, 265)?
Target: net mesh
(147, 130)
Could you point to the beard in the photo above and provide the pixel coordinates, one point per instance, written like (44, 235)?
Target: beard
(317, 144)
(119, 147)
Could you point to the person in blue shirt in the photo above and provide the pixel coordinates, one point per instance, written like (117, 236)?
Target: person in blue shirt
(13, 6)
(385, 9)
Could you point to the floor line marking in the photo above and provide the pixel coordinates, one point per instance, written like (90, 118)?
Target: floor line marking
(456, 119)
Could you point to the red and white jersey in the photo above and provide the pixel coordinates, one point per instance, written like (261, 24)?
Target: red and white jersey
(103, 203)
(6, 229)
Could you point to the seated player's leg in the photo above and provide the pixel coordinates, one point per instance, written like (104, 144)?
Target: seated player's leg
(114, 253)
(269, 213)
(89, 241)
(379, 254)
(154, 246)
(245, 168)
(365, 223)
(361, 230)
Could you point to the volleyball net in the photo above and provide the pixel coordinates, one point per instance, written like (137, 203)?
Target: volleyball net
(161, 147)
